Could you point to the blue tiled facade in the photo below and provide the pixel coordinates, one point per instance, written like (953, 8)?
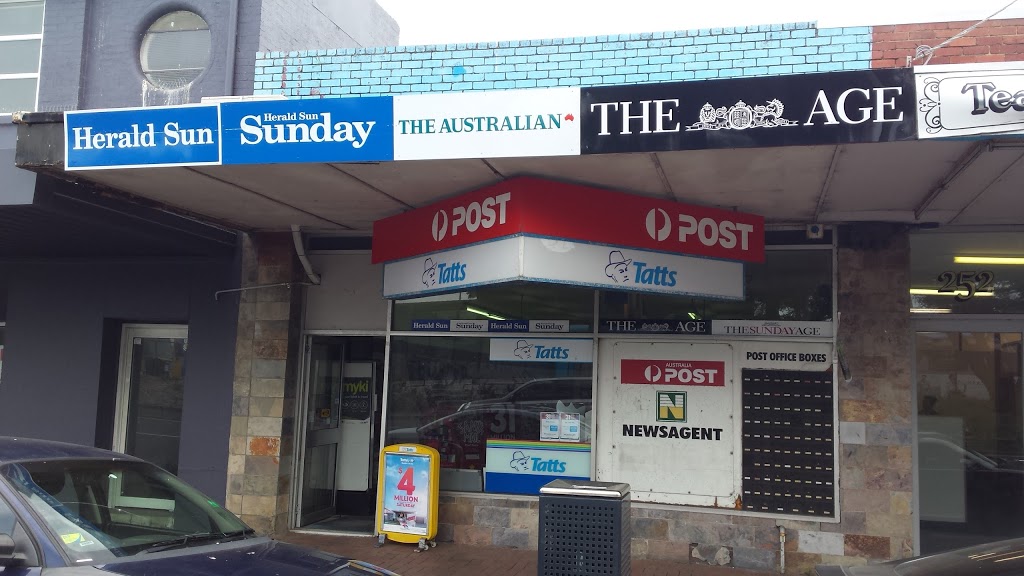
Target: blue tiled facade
(585, 61)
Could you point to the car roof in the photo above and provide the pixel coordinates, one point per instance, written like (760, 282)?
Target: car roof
(14, 449)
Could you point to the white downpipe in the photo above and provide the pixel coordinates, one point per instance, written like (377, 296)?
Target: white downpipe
(300, 250)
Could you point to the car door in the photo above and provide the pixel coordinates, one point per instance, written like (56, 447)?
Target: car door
(24, 545)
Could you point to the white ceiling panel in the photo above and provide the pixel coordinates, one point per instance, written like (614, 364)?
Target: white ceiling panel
(312, 188)
(1002, 202)
(201, 195)
(888, 178)
(781, 184)
(417, 183)
(634, 173)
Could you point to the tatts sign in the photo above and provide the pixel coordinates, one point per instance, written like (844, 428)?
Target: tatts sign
(547, 209)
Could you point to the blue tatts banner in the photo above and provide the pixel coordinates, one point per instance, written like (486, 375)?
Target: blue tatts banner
(318, 130)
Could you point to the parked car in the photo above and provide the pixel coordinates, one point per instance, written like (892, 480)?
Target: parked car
(543, 394)
(1003, 558)
(82, 509)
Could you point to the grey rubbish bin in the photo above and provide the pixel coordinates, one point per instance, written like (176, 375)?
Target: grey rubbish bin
(584, 529)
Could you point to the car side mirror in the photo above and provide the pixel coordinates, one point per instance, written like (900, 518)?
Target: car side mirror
(8, 557)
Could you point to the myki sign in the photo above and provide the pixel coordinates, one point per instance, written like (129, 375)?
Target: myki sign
(131, 137)
(544, 208)
(308, 130)
(970, 99)
(673, 372)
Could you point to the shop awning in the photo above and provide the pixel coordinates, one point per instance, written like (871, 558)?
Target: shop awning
(842, 157)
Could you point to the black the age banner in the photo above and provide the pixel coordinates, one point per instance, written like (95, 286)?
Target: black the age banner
(796, 110)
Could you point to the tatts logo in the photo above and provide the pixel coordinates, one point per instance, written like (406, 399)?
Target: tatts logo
(679, 372)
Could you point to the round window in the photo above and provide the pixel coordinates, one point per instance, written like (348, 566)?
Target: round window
(175, 49)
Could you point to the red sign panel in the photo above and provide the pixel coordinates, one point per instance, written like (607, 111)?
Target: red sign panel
(537, 207)
(673, 372)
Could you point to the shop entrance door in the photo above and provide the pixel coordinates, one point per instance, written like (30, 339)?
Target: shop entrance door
(970, 432)
(151, 387)
(341, 431)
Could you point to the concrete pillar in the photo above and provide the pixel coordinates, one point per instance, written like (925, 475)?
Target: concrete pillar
(266, 367)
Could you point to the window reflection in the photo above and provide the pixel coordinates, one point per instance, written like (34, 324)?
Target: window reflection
(970, 438)
(445, 392)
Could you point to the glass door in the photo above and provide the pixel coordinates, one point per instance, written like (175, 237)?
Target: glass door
(970, 432)
(323, 433)
(151, 389)
(343, 384)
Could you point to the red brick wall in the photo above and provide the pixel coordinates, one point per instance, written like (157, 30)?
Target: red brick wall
(993, 41)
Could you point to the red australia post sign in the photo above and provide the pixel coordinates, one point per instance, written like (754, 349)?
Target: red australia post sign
(673, 372)
(536, 207)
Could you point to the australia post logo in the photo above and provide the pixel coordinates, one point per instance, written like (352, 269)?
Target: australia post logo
(673, 372)
(688, 229)
(470, 217)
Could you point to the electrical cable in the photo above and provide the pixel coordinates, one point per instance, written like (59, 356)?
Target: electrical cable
(925, 51)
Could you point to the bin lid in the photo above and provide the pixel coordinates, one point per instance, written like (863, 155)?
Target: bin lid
(586, 488)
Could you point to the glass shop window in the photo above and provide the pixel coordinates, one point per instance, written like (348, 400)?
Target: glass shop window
(21, 42)
(456, 393)
(967, 273)
(791, 285)
(519, 301)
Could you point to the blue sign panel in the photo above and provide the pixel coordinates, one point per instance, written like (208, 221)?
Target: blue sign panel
(317, 130)
(134, 137)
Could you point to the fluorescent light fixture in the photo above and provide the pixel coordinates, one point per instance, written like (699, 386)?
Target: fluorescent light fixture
(935, 292)
(989, 260)
(692, 316)
(483, 313)
(930, 310)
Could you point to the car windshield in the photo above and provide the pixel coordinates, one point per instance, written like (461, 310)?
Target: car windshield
(99, 510)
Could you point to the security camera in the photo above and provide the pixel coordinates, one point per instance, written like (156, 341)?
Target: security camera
(815, 231)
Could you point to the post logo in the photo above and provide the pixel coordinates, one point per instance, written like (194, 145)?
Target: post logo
(655, 231)
(472, 217)
(671, 406)
(439, 227)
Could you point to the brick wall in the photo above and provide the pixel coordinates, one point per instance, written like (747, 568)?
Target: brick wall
(583, 61)
(993, 41)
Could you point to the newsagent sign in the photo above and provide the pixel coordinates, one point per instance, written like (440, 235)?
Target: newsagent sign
(673, 438)
(796, 110)
(543, 208)
(960, 100)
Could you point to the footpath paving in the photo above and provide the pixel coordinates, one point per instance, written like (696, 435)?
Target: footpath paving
(449, 559)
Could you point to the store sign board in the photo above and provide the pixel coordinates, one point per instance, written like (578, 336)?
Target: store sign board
(493, 124)
(530, 258)
(772, 328)
(970, 99)
(603, 266)
(799, 356)
(308, 130)
(141, 137)
(522, 467)
(680, 327)
(490, 263)
(795, 110)
(510, 326)
(542, 350)
(539, 207)
(669, 448)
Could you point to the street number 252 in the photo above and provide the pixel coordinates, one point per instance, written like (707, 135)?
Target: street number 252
(970, 282)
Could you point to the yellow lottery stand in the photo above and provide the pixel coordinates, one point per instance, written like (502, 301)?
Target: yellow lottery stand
(407, 495)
